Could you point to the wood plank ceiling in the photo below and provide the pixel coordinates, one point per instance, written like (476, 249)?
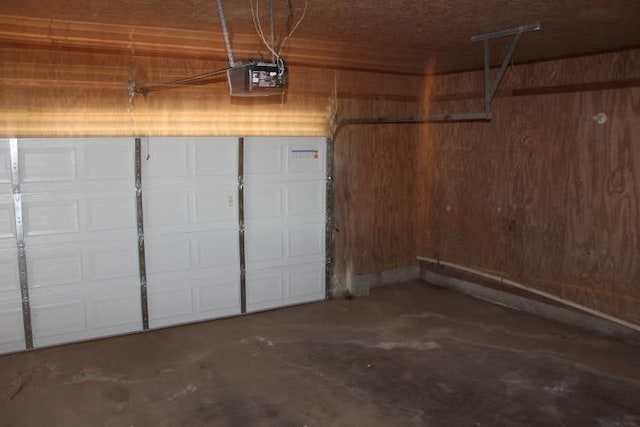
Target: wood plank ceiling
(406, 36)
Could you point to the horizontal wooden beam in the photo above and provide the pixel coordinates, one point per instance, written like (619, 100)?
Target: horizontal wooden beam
(581, 87)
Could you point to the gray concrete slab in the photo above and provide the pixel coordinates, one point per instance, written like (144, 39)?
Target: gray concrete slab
(408, 355)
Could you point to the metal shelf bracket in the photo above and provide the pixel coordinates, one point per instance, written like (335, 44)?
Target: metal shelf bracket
(490, 87)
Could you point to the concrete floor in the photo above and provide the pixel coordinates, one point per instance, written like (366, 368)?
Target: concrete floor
(408, 355)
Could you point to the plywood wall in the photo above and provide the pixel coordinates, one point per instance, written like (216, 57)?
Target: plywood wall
(542, 195)
(52, 92)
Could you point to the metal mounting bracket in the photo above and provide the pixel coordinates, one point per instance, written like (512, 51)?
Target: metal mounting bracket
(490, 87)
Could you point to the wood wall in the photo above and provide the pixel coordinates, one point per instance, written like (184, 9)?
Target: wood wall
(543, 194)
(55, 92)
(66, 78)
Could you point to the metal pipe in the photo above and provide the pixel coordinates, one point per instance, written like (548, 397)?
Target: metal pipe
(506, 33)
(538, 292)
(503, 68)
(433, 118)
(487, 77)
(225, 33)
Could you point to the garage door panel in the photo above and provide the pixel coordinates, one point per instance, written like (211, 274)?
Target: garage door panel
(82, 263)
(218, 248)
(165, 208)
(265, 288)
(80, 235)
(168, 254)
(306, 240)
(73, 313)
(65, 316)
(11, 327)
(306, 281)
(109, 212)
(263, 156)
(264, 201)
(215, 157)
(200, 295)
(73, 329)
(112, 260)
(276, 159)
(9, 279)
(46, 215)
(280, 244)
(223, 295)
(283, 286)
(42, 162)
(5, 167)
(268, 200)
(305, 156)
(108, 160)
(115, 311)
(191, 247)
(182, 210)
(263, 244)
(11, 323)
(171, 302)
(216, 204)
(305, 198)
(79, 217)
(285, 220)
(7, 221)
(54, 266)
(167, 157)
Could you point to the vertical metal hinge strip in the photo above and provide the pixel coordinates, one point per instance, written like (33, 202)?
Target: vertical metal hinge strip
(243, 266)
(142, 266)
(20, 242)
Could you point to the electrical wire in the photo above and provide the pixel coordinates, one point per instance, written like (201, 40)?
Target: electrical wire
(255, 15)
(295, 27)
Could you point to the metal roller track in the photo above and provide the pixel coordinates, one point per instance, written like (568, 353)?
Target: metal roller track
(328, 245)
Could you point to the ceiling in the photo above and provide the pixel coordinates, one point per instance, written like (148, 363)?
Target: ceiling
(404, 34)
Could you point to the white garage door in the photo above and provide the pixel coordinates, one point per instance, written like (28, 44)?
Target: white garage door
(191, 228)
(78, 199)
(285, 221)
(80, 236)
(11, 328)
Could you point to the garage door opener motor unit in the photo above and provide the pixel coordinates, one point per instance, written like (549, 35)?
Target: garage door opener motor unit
(257, 79)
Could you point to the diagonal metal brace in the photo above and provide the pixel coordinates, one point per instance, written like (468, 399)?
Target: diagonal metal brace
(491, 87)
